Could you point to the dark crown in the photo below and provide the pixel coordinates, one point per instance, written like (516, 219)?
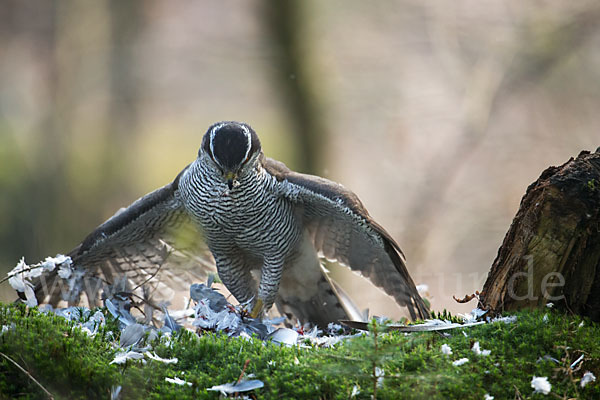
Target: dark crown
(230, 143)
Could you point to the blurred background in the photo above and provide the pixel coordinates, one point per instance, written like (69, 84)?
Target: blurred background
(437, 114)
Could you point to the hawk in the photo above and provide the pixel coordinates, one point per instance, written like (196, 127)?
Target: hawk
(264, 227)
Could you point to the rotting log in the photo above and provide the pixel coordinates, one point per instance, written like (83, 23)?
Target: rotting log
(551, 252)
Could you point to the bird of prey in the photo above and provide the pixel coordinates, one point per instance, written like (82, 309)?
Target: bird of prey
(264, 227)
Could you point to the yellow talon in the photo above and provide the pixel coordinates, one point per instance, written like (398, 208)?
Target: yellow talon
(257, 309)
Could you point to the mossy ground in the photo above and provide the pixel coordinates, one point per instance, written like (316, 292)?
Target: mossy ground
(70, 364)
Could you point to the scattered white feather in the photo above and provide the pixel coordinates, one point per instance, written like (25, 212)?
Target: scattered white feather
(30, 298)
(65, 271)
(206, 318)
(588, 377)
(326, 341)
(87, 331)
(355, 392)
(122, 357)
(581, 324)
(488, 397)
(21, 276)
(436, 325)
(132, 334)
(313, 333)
(286, 336)
(51, 262)
(95, 322)
(506, 320)
(115, 392)
(178, 381)
(549, 305)
(17, 282)
(243, 386)
(576, 362)
(154, 357)
(477, 350)
(548, 357)
(460, 362)
(545, 318)
(334, 329)
(21, 268)
(474, 315)
(379, 373)
(447, 350)
(541, 385)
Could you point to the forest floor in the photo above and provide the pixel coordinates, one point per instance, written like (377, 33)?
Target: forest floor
(499, 359)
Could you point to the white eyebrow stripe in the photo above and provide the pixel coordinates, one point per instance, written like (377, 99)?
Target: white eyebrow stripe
(249, 137)
(212, 136)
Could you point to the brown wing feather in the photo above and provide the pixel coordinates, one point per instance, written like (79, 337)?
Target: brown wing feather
(151, 249)
(342, 230)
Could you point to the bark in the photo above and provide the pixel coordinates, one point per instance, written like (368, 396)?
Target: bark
(551, 252)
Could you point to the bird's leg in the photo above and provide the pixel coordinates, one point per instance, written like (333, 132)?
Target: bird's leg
(269, 284)
(236, 277)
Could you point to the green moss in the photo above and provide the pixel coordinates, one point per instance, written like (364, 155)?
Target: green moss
(591, 185)
(70, 364)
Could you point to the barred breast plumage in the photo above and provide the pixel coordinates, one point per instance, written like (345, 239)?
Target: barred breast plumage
(244, 225)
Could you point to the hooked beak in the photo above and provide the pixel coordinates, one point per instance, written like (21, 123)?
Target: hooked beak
(231, 178)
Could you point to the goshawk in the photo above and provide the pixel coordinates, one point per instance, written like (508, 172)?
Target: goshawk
(264, 227)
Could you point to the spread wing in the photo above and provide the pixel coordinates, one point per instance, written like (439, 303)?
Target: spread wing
(150, 250)
(342, 230)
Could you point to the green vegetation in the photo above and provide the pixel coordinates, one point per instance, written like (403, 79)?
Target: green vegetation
(591, 185)
(69, 363)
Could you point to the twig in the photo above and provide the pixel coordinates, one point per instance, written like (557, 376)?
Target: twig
(374, 366)
(28, 374)
(243, 370)
(27, 268)
(467, 297)
(517, 393)
(241, 375)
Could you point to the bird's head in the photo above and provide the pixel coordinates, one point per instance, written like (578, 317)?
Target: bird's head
(233, 149)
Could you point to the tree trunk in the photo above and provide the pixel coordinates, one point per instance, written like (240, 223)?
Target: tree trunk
(285, 23)
(551, 252)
